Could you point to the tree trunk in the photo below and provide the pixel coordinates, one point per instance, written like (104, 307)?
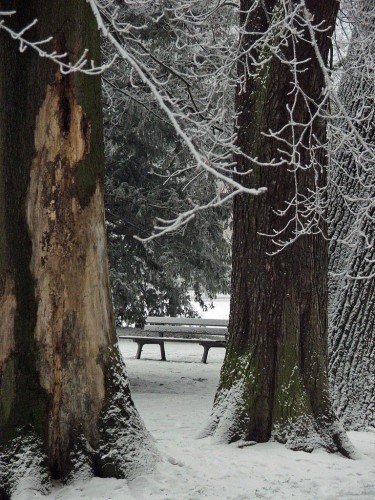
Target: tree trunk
(273, 382)
(65, 405)
(352, 233)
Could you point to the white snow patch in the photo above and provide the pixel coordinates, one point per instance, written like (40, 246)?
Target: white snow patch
(25, 467)
(175, 399)
(220, 309)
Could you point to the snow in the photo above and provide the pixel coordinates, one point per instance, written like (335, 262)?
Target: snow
(175, 399)
(220, 308)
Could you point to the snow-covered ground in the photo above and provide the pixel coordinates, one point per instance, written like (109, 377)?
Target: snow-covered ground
(174, 399)
(220, 308)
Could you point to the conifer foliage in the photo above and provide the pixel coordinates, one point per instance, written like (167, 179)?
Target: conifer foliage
(151, 176)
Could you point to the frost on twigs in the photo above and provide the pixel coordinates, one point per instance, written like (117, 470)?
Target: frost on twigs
(23, 465)
(127, 449)
(42, 48)
(196, 99)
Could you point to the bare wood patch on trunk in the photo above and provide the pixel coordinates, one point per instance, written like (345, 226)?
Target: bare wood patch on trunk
(74, 318)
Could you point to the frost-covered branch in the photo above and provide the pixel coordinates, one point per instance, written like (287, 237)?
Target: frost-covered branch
(191, 72)
(188, 82)
(42, 47)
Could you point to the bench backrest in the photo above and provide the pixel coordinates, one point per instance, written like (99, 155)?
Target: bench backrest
(165, 320)
(187, 325)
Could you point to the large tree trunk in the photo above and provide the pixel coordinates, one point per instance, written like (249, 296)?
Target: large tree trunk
(274, 381)
(352, 232)
(65, 405)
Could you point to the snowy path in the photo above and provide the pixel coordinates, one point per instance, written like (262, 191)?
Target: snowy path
(174, 399)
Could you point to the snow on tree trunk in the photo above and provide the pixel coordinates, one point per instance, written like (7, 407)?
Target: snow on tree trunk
(65, 404)
(352, 232)
(274, 383)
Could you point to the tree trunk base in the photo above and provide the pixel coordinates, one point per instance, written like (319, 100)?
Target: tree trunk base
(230, 422)
(308, 434)
(23, 466)
(126, 449)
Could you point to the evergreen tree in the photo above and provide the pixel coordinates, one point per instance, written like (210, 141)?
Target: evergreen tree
(150, 175)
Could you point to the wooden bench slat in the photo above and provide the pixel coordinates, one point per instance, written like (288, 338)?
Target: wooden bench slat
(157, 340)
(199, 330)
(186, 321)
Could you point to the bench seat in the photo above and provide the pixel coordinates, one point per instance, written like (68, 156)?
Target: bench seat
(205, 332)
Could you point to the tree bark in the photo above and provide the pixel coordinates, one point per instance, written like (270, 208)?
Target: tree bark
(273, 382)
(65, 404)
(352, 234)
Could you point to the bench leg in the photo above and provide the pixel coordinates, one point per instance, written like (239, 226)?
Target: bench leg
(162, 352)
(139, 350)
(205, 353)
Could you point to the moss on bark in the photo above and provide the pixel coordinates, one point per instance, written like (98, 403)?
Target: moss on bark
(88, 90)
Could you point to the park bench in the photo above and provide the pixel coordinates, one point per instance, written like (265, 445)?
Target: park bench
(158, 330)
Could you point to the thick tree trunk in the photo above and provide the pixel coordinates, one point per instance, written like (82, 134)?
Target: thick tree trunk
(352, 232)
(65, 405)
(274, 381)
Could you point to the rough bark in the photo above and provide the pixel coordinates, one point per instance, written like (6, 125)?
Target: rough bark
(274, 382)
(65, 404)
(352, 233)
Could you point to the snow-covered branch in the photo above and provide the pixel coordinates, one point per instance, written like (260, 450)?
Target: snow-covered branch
(42, 47)
(202, 57)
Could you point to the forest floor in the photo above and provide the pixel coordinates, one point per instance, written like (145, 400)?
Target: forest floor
(175, 398)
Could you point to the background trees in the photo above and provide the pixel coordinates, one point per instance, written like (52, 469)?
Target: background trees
(143, 154)
(65, 405)
(196, 25)
(151, 172)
